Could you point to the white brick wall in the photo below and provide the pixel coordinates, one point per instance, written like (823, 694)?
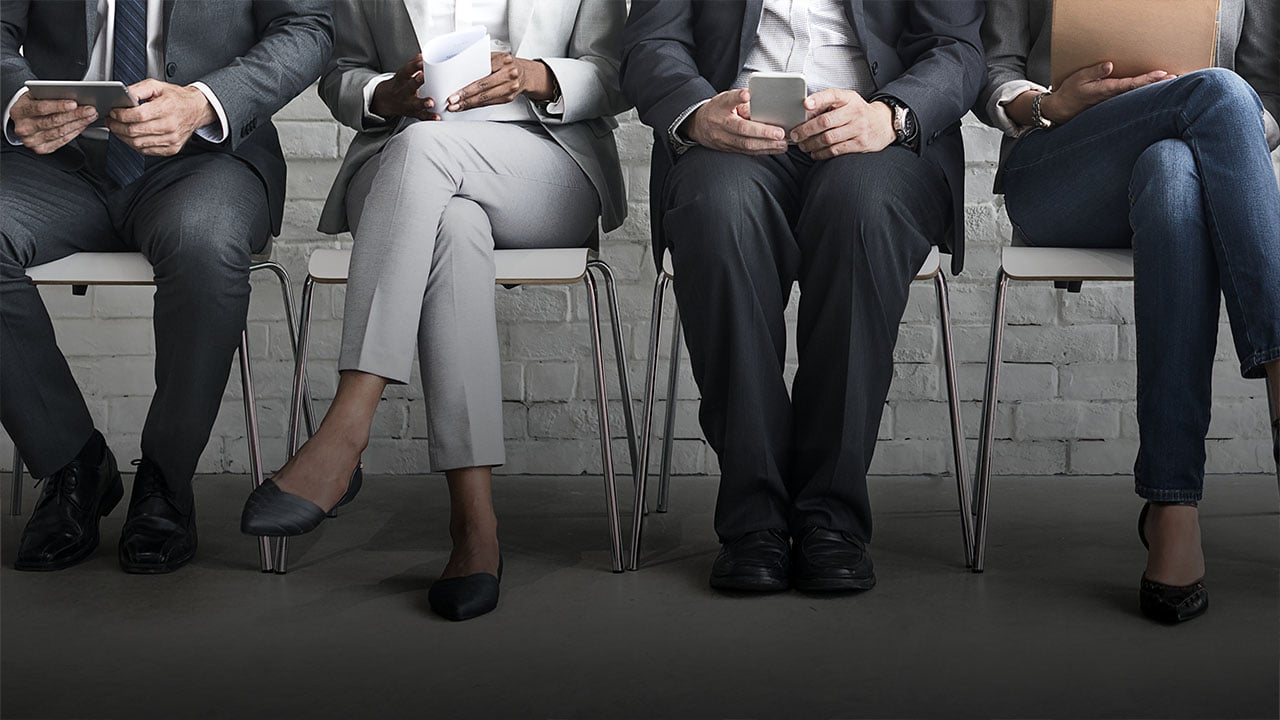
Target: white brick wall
(1068, 388)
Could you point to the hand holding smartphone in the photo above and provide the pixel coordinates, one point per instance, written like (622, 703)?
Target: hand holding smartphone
(778, 99)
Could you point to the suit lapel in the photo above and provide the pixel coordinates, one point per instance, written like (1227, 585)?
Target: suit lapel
(519, 19)
(750, 24)
(857, 20)
(90, 25)
(168, 13)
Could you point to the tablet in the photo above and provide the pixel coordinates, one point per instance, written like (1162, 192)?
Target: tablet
(1177, 36)
(104, 96)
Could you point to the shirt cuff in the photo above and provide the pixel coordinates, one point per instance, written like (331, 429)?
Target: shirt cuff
(1004, 95)
(8, 130)
(213, 132)
(369, 87)
(673, 133)
(1268, 120)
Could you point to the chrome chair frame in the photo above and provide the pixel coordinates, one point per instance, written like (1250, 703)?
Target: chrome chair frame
(252, 437)
(666, 276)
(594, 265)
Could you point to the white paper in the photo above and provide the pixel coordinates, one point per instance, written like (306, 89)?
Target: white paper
(452, 62)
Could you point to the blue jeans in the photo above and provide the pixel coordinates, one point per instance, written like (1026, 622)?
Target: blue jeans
(1179, 171)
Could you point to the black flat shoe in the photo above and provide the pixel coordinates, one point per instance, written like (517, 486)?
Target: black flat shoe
(63, 529)
(159, 534)
(463, 598)
(756, 562)
(1172, 604)
(831, 561)
(272, 512)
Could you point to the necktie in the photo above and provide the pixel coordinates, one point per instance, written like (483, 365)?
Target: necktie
(128, 65)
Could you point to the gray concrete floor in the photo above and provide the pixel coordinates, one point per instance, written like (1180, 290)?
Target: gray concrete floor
(1051, 629)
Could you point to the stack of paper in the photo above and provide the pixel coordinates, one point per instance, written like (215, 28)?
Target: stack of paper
(452, 62)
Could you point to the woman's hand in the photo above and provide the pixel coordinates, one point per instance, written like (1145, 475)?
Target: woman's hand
(1090, 86)
(511, 78)
(398, 95)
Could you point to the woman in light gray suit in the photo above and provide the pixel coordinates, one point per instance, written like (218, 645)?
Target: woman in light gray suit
(529, 162)
(1179, 169)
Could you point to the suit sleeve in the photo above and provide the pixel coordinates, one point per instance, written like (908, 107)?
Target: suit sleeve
(659, 74)
(1006, 38)
(289, 56)
(355, 62)
(588, 77)
(1258, 59)
(942, 83)
(13, 31)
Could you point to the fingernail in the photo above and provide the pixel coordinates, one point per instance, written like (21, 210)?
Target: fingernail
(453, 99)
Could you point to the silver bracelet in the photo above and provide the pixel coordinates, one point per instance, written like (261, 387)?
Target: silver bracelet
(1037, 115)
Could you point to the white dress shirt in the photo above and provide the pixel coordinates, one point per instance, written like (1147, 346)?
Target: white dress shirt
(433, 18)
(100, 64)
(811, 37)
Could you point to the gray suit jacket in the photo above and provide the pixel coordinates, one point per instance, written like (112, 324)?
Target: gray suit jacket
(926, 53)
(1016, 34)
(255, 56)
(578, 39)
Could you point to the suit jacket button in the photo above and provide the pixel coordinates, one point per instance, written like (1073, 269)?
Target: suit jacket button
(170, 70)
(875, 68)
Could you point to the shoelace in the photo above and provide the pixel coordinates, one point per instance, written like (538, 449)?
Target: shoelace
(62, 483)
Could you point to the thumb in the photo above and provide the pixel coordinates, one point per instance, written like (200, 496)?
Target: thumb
(146, 90)
(1103, 70)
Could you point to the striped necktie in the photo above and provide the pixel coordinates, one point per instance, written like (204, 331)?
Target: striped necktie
(129, 66)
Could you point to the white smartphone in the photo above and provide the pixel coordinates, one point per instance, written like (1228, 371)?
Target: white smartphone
(105, 96)
(778, 99)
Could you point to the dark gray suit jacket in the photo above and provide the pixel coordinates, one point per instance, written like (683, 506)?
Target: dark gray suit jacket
(255, 56)
(926, 53)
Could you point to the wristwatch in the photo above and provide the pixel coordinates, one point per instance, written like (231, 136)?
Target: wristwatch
(904, 121)
(1037, 113)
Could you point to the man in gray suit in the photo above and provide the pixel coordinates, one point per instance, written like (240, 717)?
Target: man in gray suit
(850, 210)
(194, 179)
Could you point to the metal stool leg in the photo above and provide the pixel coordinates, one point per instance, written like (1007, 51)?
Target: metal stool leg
(1271, 391)
(646, 424)
(957, 429)
(624, 376)
(602, 404)
(986, 437)
(669, 422)
(253, 438)
(16, 507)
(286, 294)
(296, 400)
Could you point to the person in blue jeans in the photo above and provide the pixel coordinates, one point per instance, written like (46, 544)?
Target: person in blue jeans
(1179, 169)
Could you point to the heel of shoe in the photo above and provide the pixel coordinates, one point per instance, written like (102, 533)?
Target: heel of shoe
(353, 488)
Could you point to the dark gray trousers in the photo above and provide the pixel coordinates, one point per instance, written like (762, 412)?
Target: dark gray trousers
(197, 218)
(853, 232)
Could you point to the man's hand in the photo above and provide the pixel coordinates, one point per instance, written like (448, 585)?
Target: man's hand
(166, 119)
(398, 95)
(842, 123)
(724, 123)
(511, 78)
(46, 125)
(1090, 86)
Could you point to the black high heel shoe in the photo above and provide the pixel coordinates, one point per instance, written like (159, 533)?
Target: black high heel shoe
(463, 598)
(272, 512)
(1169, 604)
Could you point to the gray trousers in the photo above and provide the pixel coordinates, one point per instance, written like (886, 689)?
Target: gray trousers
(428, 212)
(197, 218)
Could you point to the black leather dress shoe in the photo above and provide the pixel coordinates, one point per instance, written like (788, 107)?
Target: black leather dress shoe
(159, 534)
(463, 598)
(831, 561)
(759, 561)
(63, 529)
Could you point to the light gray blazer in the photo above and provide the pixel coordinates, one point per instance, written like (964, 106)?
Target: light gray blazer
(1016, 36)
(579, 39)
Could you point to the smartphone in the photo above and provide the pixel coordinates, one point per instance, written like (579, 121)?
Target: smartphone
(105, 96)
(778, 99)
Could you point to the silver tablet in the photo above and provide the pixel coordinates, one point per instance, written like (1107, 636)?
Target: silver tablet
(105, 96)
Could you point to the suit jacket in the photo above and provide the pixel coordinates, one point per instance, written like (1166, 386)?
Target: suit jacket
(578, 39)
(255, 56)
(1016, 34)
(926, 53)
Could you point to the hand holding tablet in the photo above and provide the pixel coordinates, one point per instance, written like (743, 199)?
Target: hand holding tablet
(103, 96)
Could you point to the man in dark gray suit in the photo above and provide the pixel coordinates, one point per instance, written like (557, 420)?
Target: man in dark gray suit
(850, 210)
(194, 179)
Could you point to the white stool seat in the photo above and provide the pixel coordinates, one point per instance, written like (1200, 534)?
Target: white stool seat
(1067, 264)
(513, 267)
(95, 268)
(932, 265)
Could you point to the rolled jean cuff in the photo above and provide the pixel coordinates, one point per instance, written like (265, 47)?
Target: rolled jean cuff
(1254, 366)
(1167, 495)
